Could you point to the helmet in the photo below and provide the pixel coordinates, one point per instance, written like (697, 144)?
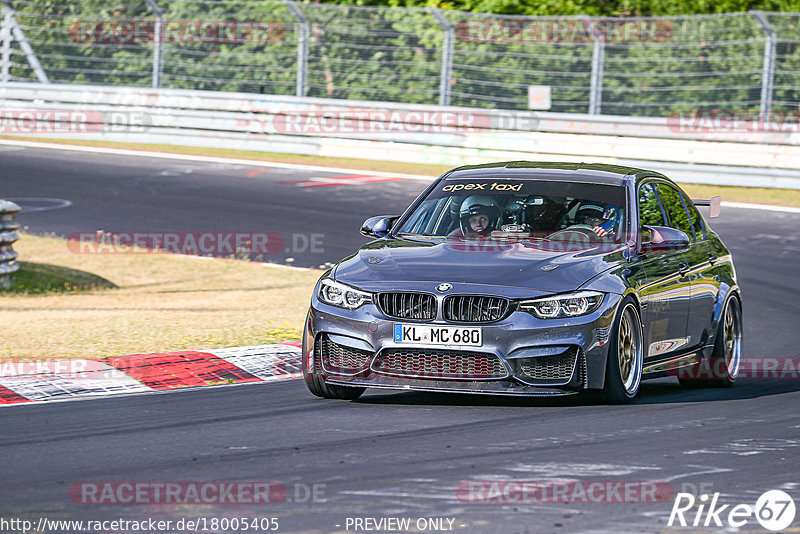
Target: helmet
(479, 205)
(546, 217)
(589, 213)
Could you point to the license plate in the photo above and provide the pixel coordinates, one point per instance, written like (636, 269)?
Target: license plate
(438, 335)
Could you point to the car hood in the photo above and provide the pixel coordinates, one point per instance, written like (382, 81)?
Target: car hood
(400, 262)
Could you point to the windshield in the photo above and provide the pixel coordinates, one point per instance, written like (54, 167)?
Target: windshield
(521, 209)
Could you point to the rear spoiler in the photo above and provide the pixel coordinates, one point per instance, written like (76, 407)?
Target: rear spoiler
(713, 205)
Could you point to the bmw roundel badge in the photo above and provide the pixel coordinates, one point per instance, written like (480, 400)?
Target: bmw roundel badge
(443, 288)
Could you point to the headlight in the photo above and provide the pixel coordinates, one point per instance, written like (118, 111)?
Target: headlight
(343, 296)
(568, 305)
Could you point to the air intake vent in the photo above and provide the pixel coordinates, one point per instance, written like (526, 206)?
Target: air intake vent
(474, 309)
(340, 360)
(548, 370)
(441, 364)
(415, 306)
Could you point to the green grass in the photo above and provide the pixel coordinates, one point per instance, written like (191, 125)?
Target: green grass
(65, 305)
(752, 195)
(43, 279)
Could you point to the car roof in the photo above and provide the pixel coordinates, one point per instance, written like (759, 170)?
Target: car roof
(596, 173)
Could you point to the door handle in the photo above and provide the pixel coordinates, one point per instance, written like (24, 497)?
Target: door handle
(683, 268)
(711, 258)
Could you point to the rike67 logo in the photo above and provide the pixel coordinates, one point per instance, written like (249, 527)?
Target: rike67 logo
(774, 510)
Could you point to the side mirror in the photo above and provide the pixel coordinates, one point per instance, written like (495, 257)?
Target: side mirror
(657, 238)
(377, 227)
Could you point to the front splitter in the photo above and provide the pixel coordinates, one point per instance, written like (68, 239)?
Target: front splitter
(503, 387)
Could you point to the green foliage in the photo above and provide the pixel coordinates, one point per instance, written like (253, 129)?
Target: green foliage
(390, 54)
(592, 7)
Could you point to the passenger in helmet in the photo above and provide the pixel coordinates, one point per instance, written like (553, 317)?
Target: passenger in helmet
(479, 214)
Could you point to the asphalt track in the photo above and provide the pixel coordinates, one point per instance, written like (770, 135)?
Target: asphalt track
(388, 454)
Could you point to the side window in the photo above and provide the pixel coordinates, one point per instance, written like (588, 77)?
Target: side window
(676, 211)
(421, 218)
(649, 208)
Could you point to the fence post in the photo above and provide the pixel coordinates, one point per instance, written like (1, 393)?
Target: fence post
(302, 47)
(447, 56)
(19, 35)
(768, 72)
(598, 66)
(158, 42)
(8, 236)
(6, 38)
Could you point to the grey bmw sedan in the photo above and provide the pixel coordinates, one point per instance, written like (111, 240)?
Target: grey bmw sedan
(525, 278)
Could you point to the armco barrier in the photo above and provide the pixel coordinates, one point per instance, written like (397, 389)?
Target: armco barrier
(763, 155)
(8, 236)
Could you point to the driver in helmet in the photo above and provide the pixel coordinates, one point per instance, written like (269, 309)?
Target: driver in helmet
(479, 214)
(602, 219)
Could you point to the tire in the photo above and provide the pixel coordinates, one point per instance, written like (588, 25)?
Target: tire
(625, 356)
(316, 383)
(722, 367)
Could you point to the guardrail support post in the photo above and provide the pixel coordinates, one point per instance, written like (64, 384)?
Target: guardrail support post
(19, 35)
(447, 56)
(158, 42)
(8, 236)
(303, 32)
(768, 73)
(598, 66)
(6, 38)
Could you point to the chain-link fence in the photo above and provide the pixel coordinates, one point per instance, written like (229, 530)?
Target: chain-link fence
(744, 62)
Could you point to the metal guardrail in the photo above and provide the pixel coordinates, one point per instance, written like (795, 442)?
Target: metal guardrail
(255, 113)
(769, 157)
(8, 236)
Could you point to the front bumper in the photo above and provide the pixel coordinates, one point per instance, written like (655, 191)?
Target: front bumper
(519, 342)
